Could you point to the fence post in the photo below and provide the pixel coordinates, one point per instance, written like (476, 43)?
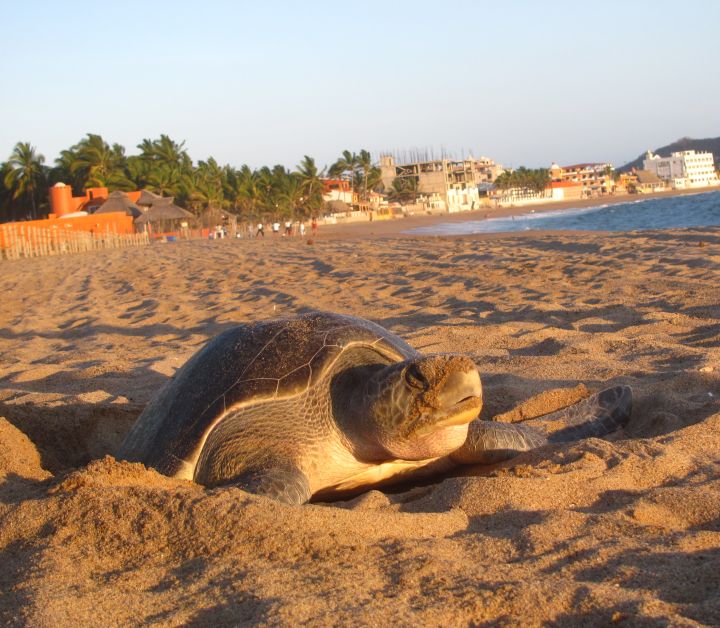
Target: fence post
(19, 240)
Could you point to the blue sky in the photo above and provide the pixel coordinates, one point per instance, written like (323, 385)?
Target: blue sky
(525, 83)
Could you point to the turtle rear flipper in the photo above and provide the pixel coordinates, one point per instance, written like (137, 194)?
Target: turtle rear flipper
(278, 480)
(597, 415)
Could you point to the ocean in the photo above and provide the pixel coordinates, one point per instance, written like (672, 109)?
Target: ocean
(692, 210)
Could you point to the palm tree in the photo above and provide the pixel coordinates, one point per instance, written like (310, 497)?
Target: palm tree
(365, 166)
(248, 191)
(346, 165)
(290, 196)
(311, 184)
(165, 151)
(147, 149)
(204, 185)
(264, 182)
(164, 180)
(97, 164)
(62, 172)
(139, 171)
(26, 174)
(273, 184)
(6, 212)
(374, 178)
(404, 189)
(118, 178)
(535, 180)
(161, 165)
(92, 160)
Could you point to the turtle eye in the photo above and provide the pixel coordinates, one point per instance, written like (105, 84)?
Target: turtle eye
(415, 378)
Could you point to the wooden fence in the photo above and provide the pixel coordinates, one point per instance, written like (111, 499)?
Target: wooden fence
(17, 240)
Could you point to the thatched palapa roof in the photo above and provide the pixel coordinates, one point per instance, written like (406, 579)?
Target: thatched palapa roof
(645, 176)
(337, 206)
(147, 198)
(119, 202)
(213, 216)
(164, 210)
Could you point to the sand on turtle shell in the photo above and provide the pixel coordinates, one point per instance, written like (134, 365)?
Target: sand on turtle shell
(594, 532)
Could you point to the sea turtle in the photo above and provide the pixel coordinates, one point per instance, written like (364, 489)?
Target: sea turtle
(320, 404)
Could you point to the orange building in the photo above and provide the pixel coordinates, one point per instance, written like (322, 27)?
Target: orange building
(569, 190)
(596, 178)
(62, 202)
(117, 222)
(337, 190)
(74, 212)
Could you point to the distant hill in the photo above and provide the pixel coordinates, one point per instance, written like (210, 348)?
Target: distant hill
(710, 144)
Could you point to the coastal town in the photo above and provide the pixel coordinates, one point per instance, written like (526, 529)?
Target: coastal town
(106, 212)
(454, 186)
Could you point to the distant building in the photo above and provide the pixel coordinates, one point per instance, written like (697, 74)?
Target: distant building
(341, 198)
(337, 190)
(684, 169)
(595, 178)
(554, 192)
(455, 184)
(647, 182)
(62, 201)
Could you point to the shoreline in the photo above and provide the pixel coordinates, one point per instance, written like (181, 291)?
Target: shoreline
(397, 227)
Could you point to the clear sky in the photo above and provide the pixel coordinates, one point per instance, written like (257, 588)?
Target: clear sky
(265, 82)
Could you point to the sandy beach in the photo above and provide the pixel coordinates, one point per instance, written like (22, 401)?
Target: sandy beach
(622, 530)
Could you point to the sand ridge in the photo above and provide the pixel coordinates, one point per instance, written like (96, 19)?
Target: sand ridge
(599, 531)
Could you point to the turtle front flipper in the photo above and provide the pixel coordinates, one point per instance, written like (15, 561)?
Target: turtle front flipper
(597, 415)
(489, 442)
(282, 482)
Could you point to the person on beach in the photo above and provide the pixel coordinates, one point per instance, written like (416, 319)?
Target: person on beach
(260, 230)
(276, 228)
(288, 227)
(302, 229)
(314, 226)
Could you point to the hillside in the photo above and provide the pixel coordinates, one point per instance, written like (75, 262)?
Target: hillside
(711, 144)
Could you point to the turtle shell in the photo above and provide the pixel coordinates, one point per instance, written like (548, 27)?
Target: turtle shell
(248, 364)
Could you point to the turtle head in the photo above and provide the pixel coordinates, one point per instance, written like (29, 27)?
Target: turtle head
(421, 408)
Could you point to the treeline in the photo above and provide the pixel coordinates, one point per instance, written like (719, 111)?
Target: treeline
(535, 179)
(164, 167)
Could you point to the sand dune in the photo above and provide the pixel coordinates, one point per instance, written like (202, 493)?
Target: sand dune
(599, 531)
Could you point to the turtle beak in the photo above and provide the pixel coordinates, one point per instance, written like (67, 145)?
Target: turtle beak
(467, 412)
(461, 396)
(459, 387)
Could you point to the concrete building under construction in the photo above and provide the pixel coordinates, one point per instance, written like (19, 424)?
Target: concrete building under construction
(447, 184)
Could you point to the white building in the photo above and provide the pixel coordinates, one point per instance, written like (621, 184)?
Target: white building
(684, 169)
